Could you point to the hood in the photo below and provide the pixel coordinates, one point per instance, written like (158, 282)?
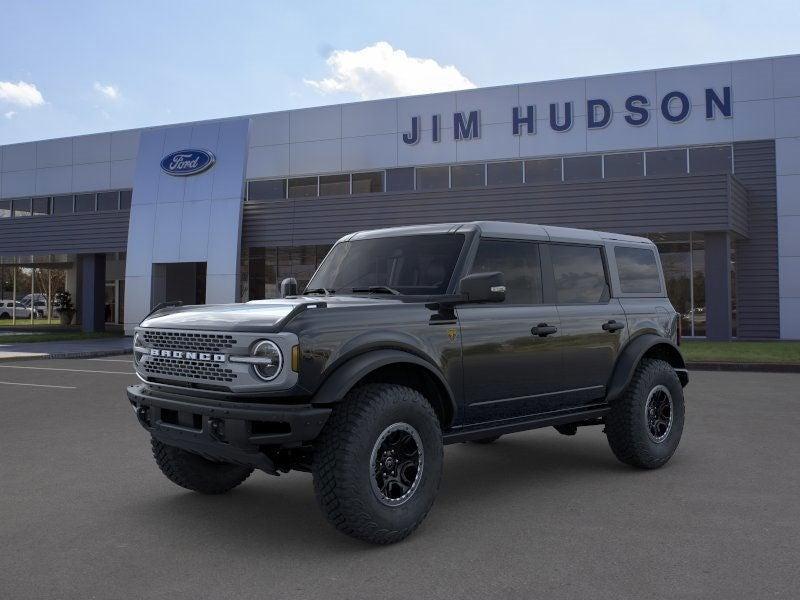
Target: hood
(258, 315)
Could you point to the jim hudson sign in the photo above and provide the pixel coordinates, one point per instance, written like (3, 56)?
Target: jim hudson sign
(674, 106)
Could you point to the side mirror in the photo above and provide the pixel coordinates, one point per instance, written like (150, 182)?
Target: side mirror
(483, 287)
(289, 287)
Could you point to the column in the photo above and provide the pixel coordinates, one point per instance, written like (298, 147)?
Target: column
(93, 282)
(718, 286)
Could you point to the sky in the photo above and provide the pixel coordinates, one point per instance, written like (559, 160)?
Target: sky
(84, 66)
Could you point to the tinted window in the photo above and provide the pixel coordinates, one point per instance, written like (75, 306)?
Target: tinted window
(433, 178)
(504, 173)
(413, 264)
(468, 175)
(630, 164)
(334, 185)
(543, 171)
(108, 201)
(713, 159)
(666, 162)
(577, 168)
(579, 274)
(519, 264)
(303, 187)
(62, 205)
(272, 189)
(367, 183)
(84, 203)
(400, 180)
(22, 207)
(41, 206)
(5, 209)
(638, 270)
(125, 199)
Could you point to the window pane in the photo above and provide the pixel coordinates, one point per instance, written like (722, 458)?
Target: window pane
(62, 205)
(272, 189)
(675, 260)
(580, 277)
(630, 164)
(519, 264)
(666, 162)
(334, 185)
(303, 187)
(504, 173)
(256, 270)
(5, 209)
(433, 178)
(577, 168)
(108, 201)
(543, 171)
(715, 159)
(41, 206)
(638, 270)
(468, 175)
(22, 207)
(84, 202)
(125, 199)
(367, 183)
(400, 180)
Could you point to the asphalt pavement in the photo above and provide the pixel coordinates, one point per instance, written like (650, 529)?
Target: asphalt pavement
(85, 513)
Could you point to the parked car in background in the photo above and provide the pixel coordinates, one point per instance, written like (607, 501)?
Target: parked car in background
(14, 308)
(40, 305)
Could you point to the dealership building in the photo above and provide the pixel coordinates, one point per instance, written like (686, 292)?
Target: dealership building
(704, 160)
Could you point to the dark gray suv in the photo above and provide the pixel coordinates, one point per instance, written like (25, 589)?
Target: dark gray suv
(408, 339)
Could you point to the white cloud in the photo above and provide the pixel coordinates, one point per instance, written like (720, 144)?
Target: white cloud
(109, 91)
(10, 114)
(380, 71)
(20, 93)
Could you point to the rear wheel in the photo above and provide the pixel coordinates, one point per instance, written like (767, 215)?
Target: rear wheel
(378, 463)
(193, 472)
(644, 427)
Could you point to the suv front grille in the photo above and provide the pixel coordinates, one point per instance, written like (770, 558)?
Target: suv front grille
(187, 369)
(193, 342)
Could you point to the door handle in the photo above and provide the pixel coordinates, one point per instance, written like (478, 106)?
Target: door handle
(543, 330)
(612, 326)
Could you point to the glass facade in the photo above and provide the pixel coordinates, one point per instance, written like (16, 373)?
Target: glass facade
(263, 269)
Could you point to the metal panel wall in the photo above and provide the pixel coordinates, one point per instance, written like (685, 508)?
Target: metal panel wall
(757, 257)
(74, 233)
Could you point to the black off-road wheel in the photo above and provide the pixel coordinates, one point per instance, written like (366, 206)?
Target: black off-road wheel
(378, 463)
(193, 472)
(645, 425)
(487, 440)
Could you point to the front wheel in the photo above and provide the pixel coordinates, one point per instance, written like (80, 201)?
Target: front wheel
(378, 463)
(645, 425)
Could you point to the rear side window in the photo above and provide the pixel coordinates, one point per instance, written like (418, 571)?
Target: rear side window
(579, 274)
(638, 270)
(519, 264)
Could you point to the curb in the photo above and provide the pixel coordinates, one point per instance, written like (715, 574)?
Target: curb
(58, 355)
(756, 367)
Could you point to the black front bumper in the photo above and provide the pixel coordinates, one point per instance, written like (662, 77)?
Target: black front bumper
(234, 432)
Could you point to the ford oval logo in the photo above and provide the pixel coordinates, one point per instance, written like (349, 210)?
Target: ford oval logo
(187, 162)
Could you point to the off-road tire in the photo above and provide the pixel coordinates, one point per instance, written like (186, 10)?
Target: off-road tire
(627, 426)
(343, 477)
(193, 472)
(487, 440)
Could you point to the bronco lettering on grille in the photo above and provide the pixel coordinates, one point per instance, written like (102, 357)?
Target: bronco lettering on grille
(185, 355)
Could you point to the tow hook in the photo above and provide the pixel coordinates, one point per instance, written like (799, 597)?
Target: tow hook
(216, 428)
(143, 414)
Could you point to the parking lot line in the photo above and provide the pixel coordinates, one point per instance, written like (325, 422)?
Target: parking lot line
(61, 387)
(70, 370)
(122, 360)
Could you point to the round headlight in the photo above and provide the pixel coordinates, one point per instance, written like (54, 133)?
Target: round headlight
(271, 360)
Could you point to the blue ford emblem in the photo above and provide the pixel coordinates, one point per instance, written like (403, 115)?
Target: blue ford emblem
(187, 162)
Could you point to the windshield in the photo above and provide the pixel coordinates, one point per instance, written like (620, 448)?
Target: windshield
(411, 265)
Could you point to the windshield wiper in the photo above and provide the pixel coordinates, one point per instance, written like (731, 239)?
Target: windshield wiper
(376, 289)
(321, 290)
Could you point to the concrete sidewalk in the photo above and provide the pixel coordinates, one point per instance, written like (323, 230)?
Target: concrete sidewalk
(67, 349)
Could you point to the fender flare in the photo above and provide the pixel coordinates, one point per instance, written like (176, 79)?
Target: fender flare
(344, 377)
(631, 356)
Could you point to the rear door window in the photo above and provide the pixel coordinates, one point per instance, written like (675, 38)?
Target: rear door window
(638, 270)
(519, 264)
(580, 276)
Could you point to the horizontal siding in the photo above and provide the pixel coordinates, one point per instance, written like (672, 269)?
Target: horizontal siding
(757, 256)
(642, 205)
(71, 234)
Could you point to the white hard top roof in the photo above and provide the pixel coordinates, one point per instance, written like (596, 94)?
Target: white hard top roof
(506, 230)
